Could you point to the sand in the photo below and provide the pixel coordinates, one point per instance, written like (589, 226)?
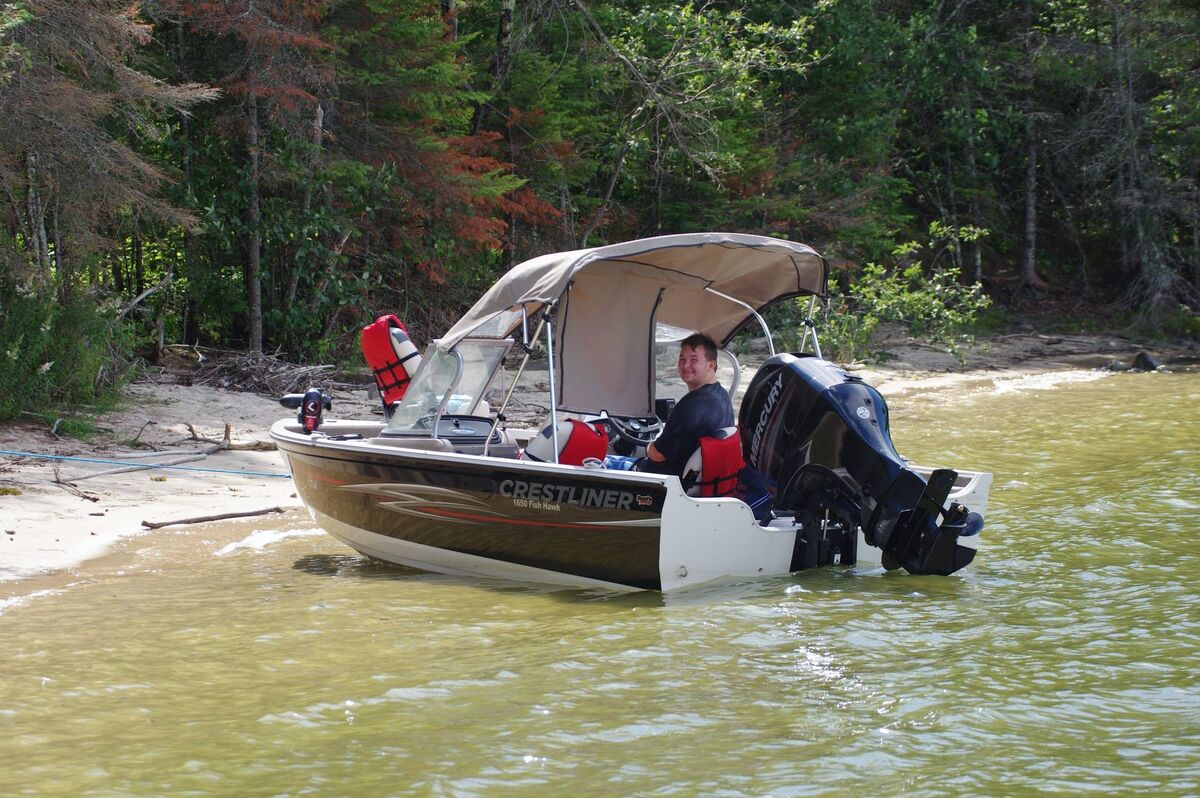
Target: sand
(57, 514)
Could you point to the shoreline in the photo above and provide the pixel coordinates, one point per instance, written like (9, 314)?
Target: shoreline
(51, 527)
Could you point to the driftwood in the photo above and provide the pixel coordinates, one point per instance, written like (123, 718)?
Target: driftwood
(262, 373)
(227, 444)
(203, 518)
(69, 488)
(187, 458)
(53, 427)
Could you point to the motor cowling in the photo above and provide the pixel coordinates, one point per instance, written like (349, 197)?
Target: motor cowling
(821, 435)
(310, 405)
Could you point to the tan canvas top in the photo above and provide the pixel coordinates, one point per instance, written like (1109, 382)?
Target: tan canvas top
(610, 298)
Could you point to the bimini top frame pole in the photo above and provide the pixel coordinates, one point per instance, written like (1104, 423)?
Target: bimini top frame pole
(526, 344)
(810, 325)
(549, 316)
(761, 321)
(810, 328)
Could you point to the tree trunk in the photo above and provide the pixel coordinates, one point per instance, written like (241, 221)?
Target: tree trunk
(35, 207)
(1195, 240)
(450, 18)
(598, 215)
(254, 243)
(1154, 290)
(185, 132)
(952, 208)
(293, 276)
(1029, 275)
(139, 267)
(60, 257)
(976, 273)
(118, 274)
(499, 64)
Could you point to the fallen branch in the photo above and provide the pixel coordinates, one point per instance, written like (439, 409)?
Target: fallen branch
(137, 300)
(109, 472)
(227, 444)
(53, 427)
(156, 453)
(83, 494)
(203, 518)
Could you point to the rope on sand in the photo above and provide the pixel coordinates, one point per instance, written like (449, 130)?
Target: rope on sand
(103, 461)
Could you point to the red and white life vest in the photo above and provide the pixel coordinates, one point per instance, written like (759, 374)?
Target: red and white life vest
(715, 464)
(577, 440)
(392, 357)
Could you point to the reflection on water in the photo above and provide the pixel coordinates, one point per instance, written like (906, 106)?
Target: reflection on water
(241, 659)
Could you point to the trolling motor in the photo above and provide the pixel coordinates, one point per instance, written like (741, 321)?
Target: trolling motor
(311, 403)
(822, 435)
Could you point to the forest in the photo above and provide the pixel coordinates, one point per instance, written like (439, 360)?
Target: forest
(269, 175)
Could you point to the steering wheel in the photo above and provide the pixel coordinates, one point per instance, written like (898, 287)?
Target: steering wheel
(635, 431)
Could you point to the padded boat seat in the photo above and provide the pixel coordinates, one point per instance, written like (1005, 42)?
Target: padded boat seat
(713, 468)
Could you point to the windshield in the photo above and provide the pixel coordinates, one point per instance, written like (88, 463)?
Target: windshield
(452, 382)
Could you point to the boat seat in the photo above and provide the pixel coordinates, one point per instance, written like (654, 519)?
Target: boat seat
(713, 468)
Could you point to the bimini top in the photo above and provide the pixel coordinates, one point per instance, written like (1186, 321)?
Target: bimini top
(610, 299)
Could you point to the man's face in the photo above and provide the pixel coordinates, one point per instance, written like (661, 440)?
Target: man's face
(694, 369)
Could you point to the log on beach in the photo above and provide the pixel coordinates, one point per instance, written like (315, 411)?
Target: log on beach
(203, 518)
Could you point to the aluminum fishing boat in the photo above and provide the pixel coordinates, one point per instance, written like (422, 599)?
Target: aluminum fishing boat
(445, 484)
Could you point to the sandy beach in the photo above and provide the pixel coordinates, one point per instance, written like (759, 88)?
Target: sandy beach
(60, 512)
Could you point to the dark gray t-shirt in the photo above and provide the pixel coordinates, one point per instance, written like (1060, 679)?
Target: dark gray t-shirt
(701, 412)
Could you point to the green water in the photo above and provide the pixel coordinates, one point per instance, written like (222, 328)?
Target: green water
(243, 659)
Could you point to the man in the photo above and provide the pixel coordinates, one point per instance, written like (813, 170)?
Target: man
(703, 411)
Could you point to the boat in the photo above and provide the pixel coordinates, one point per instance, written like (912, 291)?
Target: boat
(446, 484)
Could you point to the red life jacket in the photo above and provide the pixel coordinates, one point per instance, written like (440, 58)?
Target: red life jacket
(392, 357)
(720, 462)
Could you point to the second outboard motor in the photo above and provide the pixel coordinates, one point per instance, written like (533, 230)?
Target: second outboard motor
(821, 434)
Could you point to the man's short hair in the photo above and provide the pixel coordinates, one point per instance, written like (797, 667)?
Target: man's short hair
(701, 341)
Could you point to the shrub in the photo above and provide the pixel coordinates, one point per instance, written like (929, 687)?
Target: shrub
(59, 356)
(937, 309)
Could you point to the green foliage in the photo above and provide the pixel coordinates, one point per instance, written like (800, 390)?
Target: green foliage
(12, 16)
(58, 356)
(1178, 322)
(846, 329)
(936, 308)
(406, 159)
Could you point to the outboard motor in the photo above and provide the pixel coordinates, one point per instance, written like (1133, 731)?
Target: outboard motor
(310, 404)
(821, 434)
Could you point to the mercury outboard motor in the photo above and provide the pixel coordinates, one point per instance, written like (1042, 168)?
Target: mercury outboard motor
(821, 434)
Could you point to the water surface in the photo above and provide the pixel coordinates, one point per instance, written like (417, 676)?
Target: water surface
(247, 659)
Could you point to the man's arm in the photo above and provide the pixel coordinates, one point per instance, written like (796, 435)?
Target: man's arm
(654, 454)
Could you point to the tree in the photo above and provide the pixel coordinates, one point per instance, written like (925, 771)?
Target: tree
(75, 82)
(273, 70)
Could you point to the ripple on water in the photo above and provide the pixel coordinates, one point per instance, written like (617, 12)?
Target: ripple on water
(275, 661)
